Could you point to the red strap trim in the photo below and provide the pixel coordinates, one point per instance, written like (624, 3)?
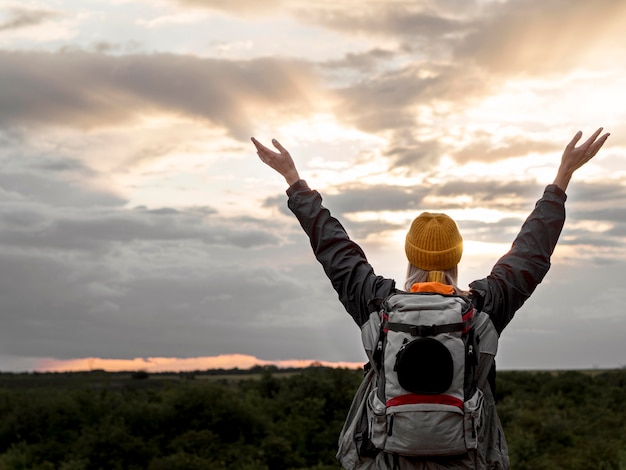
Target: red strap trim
(415, 399)
(385, 318)
(468, 316)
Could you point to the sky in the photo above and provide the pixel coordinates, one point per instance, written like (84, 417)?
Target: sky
(139, 230)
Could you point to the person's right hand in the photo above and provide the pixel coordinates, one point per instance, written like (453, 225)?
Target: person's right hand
(280, 161)
(575, 157)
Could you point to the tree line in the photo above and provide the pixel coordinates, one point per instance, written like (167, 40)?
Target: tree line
(273, 420)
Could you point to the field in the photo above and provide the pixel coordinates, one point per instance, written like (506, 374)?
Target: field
(271, 419)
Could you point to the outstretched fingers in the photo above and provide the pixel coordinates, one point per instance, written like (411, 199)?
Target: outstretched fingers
(263, 152)
(593, 137)
(574, 140)
(597, 145)
(588, 149)
(278, 145)
(280, 161)
(259, 146)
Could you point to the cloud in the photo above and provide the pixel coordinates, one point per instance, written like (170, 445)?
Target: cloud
(391, 103)
(400, 20)
(482, 148)
(170, 300)
(534, 37)
(18, 18)
(359, 198)
(426, 18)
(55, 191)
(86, 90)
(384, 102)
(95, 229)
(506, 197)
(486, 193)
(411, 151)
(238, 7)
(364, 62)
(569, 306)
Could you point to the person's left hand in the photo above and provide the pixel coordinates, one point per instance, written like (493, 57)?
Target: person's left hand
(280, 161)
(575, 157)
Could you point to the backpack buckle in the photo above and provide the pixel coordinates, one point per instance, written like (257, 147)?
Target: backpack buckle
(423, 330)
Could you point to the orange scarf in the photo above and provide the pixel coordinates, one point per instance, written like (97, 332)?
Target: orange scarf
(436, 287)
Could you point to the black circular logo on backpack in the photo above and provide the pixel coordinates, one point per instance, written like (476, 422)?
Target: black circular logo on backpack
(424, 366)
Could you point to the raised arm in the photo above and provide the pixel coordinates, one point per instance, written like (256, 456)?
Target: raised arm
(344, 262)
(516, 275)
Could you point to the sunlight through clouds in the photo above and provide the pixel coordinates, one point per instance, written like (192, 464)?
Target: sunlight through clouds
(126, 163)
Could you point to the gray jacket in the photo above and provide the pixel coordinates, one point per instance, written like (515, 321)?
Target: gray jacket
(498, 296)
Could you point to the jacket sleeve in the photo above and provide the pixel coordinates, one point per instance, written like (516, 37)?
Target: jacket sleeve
(344, 262)
(516, 275)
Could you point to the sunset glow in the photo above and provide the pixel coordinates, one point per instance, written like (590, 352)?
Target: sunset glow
(169, 364)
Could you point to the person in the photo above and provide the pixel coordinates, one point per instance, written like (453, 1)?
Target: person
(434, 246)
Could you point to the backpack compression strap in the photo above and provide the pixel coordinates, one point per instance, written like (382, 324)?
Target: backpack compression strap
(426, 330)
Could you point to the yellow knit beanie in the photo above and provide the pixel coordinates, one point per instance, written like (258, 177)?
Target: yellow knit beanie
(433, 242)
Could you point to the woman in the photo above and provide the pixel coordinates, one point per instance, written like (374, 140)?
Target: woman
(433, 247)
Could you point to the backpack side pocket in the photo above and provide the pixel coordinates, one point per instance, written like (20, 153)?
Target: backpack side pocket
(473, 419)
(377, 417)
(354, 450)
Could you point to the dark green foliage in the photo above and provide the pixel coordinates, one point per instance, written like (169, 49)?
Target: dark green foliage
(271, 420)
(280, 421)
(569, 420)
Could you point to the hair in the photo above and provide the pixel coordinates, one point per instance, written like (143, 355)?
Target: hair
(415, 274)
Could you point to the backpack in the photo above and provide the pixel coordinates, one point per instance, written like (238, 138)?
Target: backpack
(424, 400)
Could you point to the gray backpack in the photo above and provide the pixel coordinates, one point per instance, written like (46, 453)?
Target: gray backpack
(421, 399)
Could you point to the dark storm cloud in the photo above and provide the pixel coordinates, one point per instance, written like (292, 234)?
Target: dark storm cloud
(17, 18)
(84, 90)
